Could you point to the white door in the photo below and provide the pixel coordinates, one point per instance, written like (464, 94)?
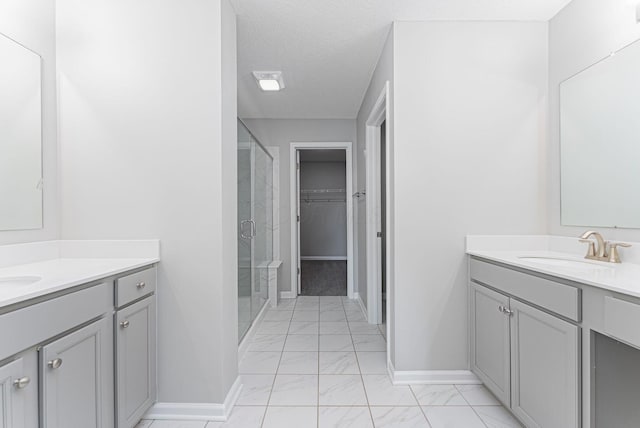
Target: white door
(297, 219)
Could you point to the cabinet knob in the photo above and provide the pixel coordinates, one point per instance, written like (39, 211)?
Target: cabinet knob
(505, 310)
(55, 364)
(124, 324)
(22, 382)
(141, 285)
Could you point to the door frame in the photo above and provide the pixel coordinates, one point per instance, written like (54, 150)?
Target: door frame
(379, 114)
(293, 202)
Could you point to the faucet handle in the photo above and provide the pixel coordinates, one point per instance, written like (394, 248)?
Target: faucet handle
(614, 256)
(592, 247)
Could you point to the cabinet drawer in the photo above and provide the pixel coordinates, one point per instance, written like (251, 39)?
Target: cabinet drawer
(621, 320)
(553, 296)
(25, 327)
(134, 286)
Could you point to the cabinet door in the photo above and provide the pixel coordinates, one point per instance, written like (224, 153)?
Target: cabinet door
(490, 341)
(545, 368)
(77, 378)
(13, 383)
(135, 361)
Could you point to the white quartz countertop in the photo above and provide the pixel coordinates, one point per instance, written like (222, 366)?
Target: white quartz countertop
(60, 274)
(54, 266)
(621, 278)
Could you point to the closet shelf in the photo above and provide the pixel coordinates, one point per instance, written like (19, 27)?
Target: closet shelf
(312, 191)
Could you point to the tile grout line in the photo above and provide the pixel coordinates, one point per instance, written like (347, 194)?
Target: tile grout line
(420, 406)
(469, 404)
(352, 349)
(366, 396)
(275, 376)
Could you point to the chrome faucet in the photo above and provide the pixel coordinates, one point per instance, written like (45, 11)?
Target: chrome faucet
(604, 251)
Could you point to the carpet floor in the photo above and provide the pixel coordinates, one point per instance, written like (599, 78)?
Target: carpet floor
(324, 278)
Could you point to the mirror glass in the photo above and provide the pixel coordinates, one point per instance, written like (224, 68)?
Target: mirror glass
(600, 143)
(20, 137)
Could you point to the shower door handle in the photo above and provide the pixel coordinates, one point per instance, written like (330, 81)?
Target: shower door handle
(242, 228)
(253, 228)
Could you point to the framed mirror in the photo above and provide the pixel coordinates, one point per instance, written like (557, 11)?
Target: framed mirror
(20, 137)
(600, 143)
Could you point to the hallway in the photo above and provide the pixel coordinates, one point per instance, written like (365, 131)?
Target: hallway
(316, 363)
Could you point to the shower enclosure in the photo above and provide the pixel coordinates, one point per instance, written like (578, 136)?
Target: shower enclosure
(255, 226)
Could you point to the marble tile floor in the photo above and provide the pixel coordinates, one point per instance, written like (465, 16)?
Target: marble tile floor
(315, 362)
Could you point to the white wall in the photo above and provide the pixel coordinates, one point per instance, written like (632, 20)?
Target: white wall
(147, 150)
(382, 73)
(470, 111)
(323, 225)
(281, 133)
(228, 322)
(32, 23)
(583, 33)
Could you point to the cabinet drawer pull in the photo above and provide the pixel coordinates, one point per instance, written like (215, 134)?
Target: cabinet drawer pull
(124, 324)
(141, 285)
(22, 382)
(55, 364)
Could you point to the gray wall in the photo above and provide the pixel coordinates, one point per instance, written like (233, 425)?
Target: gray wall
(32, 23)
(467, 155)
(583, 33)
(281, 133)
(148, 150)
(323, 225)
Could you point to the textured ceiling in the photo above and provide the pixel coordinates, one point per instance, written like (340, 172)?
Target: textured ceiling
(327, 49)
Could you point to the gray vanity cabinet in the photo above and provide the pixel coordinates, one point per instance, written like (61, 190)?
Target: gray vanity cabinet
(135, 361)
(77, 378)
(490, 341)
(528, 357)
(545, 368)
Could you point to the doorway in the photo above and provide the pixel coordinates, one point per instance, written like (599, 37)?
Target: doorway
(382, 236)
(322, 253)
(377, 177)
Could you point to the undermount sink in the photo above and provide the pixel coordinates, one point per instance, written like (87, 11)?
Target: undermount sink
(18, 281)
(560, 262)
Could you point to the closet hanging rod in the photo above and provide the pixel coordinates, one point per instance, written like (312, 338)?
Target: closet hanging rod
(323, 200)
(323, 190)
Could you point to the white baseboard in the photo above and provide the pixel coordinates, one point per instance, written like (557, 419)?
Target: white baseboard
(248, 337)
(432, 377)
(288, 294)
(363, 307)
(197, 411)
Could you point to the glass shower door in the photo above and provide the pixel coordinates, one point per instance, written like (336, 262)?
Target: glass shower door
(262, 215)
(245, 230)
(255, 227)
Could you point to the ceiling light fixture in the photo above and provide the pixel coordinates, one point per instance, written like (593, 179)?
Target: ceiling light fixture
(269, 81)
